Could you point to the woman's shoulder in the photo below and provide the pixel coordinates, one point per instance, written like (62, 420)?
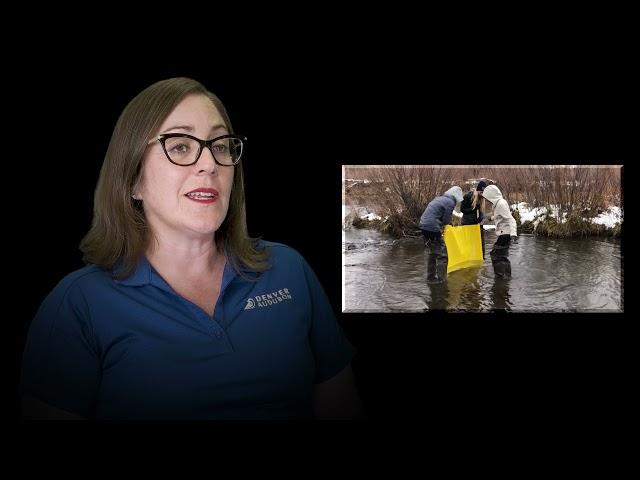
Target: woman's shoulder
(280, 251)
(283, 257)
(288, 261)
(86, 279)
(503, 203)
(75, 291)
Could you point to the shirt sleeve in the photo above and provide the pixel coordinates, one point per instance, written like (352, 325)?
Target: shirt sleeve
(503, 214)
(446, 218)
(61, 365)
(498, 215)
(514, 226)
(512, 221)
(331, 350)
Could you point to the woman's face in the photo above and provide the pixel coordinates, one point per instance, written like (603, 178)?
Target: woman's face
(164, 187)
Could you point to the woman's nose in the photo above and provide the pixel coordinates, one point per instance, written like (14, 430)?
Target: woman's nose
(206, 161)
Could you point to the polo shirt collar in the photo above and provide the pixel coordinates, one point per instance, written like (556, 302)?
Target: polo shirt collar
(145, 274)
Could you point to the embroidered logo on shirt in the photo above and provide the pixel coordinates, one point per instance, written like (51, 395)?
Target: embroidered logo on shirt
(268, 299)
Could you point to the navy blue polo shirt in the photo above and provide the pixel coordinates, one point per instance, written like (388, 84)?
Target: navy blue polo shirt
(134, 348)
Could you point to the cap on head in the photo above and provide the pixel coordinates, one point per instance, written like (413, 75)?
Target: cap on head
(481, 185)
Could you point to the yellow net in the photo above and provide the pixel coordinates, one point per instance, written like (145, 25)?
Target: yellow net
(464, 246)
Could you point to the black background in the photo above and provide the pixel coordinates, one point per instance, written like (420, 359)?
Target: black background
(348, 106)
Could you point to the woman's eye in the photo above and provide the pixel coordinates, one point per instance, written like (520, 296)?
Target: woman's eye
(220, 148)
(180, 148)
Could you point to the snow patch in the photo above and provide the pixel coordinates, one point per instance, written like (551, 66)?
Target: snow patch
(609, 218)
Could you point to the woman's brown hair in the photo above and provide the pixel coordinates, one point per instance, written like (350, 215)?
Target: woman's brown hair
(119, 234)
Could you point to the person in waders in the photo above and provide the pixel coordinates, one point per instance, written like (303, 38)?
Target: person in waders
(432, 222)
(506, 230)
(472, 208)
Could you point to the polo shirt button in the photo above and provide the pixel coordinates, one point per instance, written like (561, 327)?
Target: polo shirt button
(218, 334)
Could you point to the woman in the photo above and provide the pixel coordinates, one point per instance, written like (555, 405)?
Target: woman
(178, 313)
(472, 208)
(432, 222)
(506, 230)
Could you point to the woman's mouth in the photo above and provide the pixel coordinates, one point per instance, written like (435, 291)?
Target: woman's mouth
(203, 195)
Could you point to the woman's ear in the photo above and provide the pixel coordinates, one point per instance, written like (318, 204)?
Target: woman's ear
(135, 190)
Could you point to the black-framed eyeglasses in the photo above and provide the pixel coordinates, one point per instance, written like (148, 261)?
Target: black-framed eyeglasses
(184, 150)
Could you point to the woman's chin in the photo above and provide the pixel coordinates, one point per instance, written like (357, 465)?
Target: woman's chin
(206, 229)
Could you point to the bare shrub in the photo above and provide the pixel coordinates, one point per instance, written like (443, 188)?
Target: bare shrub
(401, 193)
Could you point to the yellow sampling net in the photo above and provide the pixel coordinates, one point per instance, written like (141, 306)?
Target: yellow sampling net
(464, 246)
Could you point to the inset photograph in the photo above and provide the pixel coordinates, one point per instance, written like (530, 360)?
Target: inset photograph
(482, 238)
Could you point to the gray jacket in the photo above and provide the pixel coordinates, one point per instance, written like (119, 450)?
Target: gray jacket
(501, 213)
(439, 210)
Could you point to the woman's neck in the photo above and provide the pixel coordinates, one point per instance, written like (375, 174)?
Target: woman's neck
(188, 259)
